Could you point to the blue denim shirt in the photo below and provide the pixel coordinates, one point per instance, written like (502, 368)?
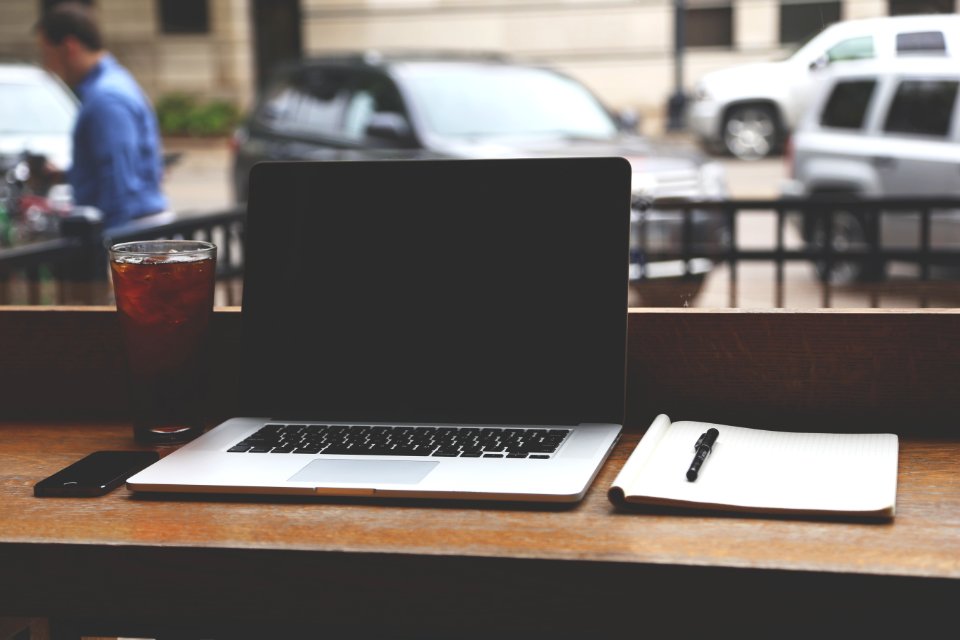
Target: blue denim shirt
(117, 163)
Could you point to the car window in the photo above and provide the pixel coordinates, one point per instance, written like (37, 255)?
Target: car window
(922, 107)
(851, 49)
(311, 101)
(34, 108)
(494, 100)
(372, 94)
(925, 42)
(846, 107)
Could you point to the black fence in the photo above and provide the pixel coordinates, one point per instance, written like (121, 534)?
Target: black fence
(868, 236)
(72, 269)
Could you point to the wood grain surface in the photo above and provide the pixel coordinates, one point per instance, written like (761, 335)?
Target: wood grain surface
(922, 541)
(823, 370)
(863, 370)
(203, 561)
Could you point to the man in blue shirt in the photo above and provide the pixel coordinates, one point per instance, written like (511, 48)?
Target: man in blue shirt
(117, 164)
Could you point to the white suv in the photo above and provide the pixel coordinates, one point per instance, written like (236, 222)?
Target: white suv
(749, 110)
(882, 129)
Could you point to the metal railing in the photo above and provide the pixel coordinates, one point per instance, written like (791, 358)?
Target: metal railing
(73, 269)
(34, 263)
(816, 219)
(56, 270)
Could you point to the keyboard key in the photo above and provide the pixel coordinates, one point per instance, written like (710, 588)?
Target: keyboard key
(409, 451)
(240, 448)
(516, 455)
(541, 449)
(377, 451)
(446, 454)
(538, 456)
(342, 450)
(260, 449)
(470, 455)
(493, 455)
(307, 450)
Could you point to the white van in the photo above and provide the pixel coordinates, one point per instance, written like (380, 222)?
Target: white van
(749, 110)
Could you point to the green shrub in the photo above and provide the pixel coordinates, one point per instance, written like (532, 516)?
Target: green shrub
(173, 113)
(181, 114)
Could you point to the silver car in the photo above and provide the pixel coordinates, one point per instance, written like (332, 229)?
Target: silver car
(881, 129)
(37, 113)
(410, 105)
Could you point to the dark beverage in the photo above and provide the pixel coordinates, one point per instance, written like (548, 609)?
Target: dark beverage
(164, 292)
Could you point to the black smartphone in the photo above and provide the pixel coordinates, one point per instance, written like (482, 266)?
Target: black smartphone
(97, 474)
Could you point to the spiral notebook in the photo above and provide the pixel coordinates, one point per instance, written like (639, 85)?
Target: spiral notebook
(760, 471)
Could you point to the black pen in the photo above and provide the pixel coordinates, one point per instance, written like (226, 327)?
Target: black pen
(703, 447)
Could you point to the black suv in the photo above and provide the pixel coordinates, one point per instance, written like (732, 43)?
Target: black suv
(376, 106)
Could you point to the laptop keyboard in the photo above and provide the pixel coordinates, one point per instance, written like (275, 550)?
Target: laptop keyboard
(440, 442)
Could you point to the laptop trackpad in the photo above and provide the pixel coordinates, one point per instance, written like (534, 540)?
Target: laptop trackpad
(367, 472)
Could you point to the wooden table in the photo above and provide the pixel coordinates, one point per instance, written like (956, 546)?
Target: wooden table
(122, 564)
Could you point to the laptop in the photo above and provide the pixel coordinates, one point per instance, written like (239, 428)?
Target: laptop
(450, 329)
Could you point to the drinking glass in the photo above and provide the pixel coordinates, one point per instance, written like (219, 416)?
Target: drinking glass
(164, 292)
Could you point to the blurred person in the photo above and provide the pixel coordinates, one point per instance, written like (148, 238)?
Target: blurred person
(117, 161)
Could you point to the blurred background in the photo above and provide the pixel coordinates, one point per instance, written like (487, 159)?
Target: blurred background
(708, 99)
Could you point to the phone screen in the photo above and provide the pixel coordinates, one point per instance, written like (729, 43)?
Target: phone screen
(96, 474)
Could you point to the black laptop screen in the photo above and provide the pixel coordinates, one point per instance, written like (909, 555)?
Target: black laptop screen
(484, 291)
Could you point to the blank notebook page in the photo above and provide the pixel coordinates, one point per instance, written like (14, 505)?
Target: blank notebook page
(754, 468)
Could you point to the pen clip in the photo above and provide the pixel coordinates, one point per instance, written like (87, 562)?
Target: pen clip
(699, 441)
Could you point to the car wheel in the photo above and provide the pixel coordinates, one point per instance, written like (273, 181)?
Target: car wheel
(848, 233)
(751, 132)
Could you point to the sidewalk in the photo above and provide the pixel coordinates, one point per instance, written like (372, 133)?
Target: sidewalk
(200, 180)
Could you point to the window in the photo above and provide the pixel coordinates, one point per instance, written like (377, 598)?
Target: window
(902, 7)
(847, 106)
(373, 95)
(491, 101)
(801, 20)
(312, 102)
(922, 42)
(47, 4)
(184, 16)
(709, 24)
(922, 107)
(851, 49)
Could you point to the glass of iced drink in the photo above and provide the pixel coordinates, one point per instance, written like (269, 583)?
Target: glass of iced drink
(164, 291)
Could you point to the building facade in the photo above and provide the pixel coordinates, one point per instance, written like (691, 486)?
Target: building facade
(210, 56)
(623, 49)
